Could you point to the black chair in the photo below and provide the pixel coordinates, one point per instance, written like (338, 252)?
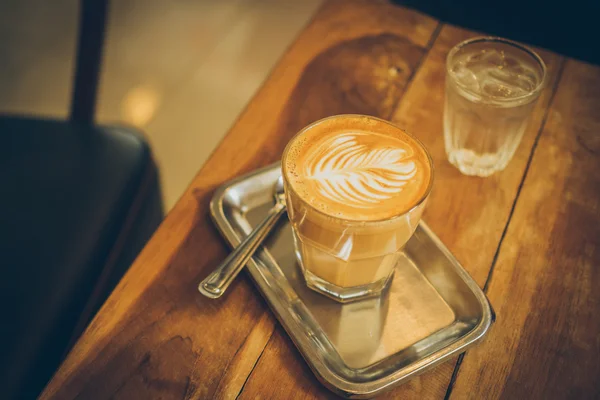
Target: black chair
(78, 203)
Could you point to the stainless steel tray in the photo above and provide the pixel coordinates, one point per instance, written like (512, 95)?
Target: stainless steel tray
(430, 312)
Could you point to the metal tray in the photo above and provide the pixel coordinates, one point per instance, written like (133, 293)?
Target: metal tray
(431, 311)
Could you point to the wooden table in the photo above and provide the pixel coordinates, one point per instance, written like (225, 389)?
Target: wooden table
(530, 235)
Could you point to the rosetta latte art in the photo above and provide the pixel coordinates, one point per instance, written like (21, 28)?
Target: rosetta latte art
(352, 173)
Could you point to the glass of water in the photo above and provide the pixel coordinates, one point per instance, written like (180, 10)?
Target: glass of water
(492, 85)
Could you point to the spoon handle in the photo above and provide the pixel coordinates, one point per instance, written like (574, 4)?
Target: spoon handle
(215, 284)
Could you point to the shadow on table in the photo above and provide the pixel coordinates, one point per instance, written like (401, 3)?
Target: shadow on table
(568, 28)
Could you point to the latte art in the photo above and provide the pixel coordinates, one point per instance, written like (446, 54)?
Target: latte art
(357, 168)
(349, 172)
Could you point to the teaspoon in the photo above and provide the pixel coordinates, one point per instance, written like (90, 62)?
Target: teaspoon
(215, 284)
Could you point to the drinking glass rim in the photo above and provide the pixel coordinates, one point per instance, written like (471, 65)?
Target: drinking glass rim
(496, 39)
(358, 221)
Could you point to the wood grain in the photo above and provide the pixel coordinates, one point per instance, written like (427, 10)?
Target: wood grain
(546, 342)
(293, 379)
(468, 213)
(156, 337)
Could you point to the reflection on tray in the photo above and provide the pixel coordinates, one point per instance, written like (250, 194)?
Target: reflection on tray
(431, 311)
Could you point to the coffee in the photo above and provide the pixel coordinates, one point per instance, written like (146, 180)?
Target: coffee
(357, 168)
(355, 188)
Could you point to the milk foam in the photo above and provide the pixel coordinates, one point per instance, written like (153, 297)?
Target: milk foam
(357, 168)
(350, 172)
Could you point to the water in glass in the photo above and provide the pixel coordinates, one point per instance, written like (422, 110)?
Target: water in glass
(491, 89)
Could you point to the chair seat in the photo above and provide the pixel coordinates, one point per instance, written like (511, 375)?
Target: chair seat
(77, 205)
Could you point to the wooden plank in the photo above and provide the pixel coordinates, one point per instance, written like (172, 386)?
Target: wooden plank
(156, 337)
(282, 363)
(546, 342)
(468, 213)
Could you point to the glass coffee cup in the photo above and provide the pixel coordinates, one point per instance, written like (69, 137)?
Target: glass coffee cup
(355, 187)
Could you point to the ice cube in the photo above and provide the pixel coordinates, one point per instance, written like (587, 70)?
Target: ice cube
(492, 57)
(466, 77)
(513, 78)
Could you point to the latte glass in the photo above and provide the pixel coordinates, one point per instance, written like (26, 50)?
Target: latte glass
(345, 259)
